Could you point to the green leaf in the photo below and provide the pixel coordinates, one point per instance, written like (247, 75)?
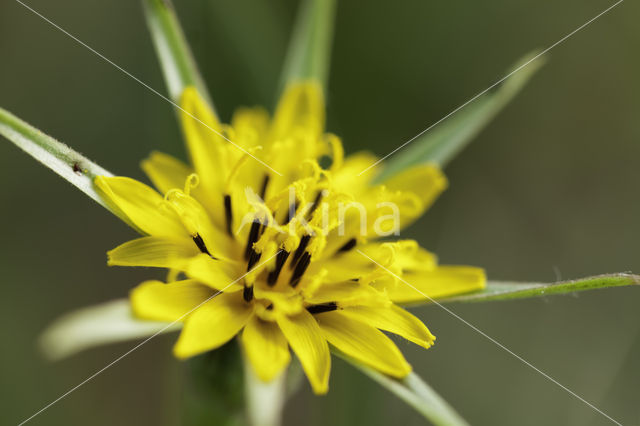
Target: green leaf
(505, 290)
(69, 164)
(415, 392)
(309, 50)
(178, 66)
(442, 141)
(97, 325)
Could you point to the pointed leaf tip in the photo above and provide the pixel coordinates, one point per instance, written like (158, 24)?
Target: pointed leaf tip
(504, 290)
(446, 138)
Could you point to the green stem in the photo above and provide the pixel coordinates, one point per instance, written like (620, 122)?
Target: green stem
(214, 391)
(264, 401)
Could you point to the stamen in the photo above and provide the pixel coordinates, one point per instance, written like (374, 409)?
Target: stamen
(348, 245)
(324, 307)
(304, 241)
(228, 213)
(291, 213)
(315, 205)
(254, 257)
(201, 245)
(281, 259)
(254, 234)
(247, 293)
(263, 190)
(301, 267)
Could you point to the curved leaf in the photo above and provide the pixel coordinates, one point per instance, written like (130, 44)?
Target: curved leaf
(178, 66)
(442, 141)
(97, 325)
(506, 290)
(415, 392)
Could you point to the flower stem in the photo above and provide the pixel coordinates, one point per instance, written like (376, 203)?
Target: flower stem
(214, 393)
(264, 401)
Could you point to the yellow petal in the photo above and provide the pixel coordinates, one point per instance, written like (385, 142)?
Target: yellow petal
(394, 204)
(213, 324)
(155, 300)
(165, 171)
(398, 256)
(301, 107)
(348, 293)
(250, 125)
(384, 209)
(142, 205)
(363, 342)
(441, 282)
(287, 301)
(348, 177)
(160, 252)
(408, 255)
(305, 338)
(266, 347)
(393, 319)
(296, 132)
(343, 267)
(426, 181)
(196, 221)
(207, 149)
(218, 274)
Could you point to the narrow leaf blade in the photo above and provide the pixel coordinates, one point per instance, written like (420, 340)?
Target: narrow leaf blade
(67, 163)
(97, 325)
(178, 66)
(448, 138)
(415, 392)
(502, 290)
(309, 50)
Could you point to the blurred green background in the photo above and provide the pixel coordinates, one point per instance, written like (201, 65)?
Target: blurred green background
(549, 190)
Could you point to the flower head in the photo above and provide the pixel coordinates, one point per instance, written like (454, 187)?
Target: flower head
(266, 242)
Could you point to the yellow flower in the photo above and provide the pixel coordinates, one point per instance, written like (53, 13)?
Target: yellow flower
(279, 251)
